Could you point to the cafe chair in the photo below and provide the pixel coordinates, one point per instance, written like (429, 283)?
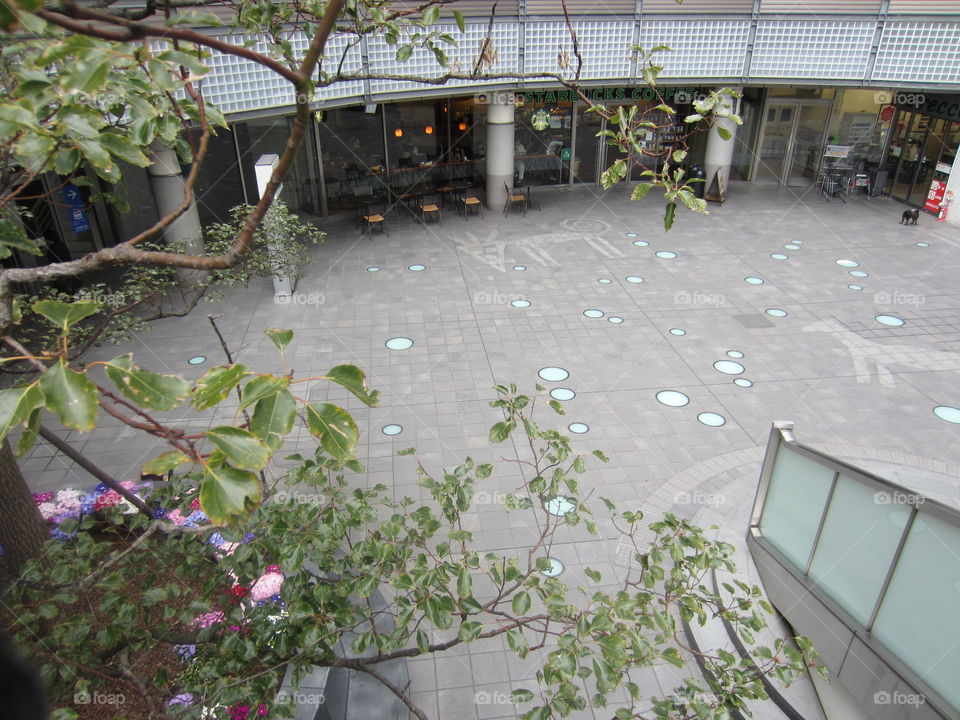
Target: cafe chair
(515, 198)
(374, 221)
(429, 209)
(473, 205)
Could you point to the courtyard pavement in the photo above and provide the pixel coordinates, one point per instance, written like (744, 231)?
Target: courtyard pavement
(499, 299)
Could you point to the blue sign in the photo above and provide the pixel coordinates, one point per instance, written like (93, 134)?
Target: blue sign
(76, 208)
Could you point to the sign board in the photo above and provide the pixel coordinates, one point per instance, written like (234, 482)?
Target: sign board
(76, 208)
(935, 195)
(837, 151)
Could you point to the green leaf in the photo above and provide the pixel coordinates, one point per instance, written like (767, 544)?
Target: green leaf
(242, 447)
(94, 77)
(67, 161)
(16, 406)
(668, 217)
(723, 132)
(123, 148)
(28, 436)
(148, 389)
(65, 315)
(13, 235)
(521, 695)
(470, 630)
(273, 418)
(260, 387)
(501, 431)
(521, 602)
(640, 191)
(226, 493)
(95, 153)
(431, 14)
(335, 428)
(280, 338)
(192, 63)
(354, 380)
(162, 464)
(464, 583)
(461, 24)
(216, 384)
(70, 395)
(404, 52)
(79, 125)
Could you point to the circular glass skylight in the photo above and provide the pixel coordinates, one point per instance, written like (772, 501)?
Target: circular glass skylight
(416, 268)
(615, 320)
(743, 382)
(778, 256)
(712, 419)
(560, 506)
(392, 429)
(636, 279)
(728, 367)
(553, 374)
(754, 280)
(632, 235)
(604, 281)
(593, 313)
(948, 413)
(399, 343)
(665, 254)
(859, 274)
(890, 320)
(791, 246)
(373, 268)
(578, 428)
(923, 244)
(556, 568)
(672, 398)
(734, 354)
(640, 243)
(562, 394)
(519, 267)
(855, 287)
(776, 312)
(521, 303)
(677, 331)
(197, 360)
(848, 263)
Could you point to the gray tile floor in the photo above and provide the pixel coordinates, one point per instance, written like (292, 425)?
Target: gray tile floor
(848, 382)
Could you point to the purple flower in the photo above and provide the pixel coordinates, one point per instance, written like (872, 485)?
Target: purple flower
(247, 538)
(158, 513)
(185, 651)
(216, 539)
(100, 489)
(181, 699)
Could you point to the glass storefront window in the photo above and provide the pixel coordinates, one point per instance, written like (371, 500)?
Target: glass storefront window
(219, 185)
(351, 141)
(262, 136)
(588, 146)
(543, 134)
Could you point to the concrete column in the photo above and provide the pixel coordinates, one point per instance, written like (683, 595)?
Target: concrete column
(719, 153)
(266, 164)
(166, 182)
(500, 119)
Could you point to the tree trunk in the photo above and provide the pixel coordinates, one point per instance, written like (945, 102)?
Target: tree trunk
(22, 529)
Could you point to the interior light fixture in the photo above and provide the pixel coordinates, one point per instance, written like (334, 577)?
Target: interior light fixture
(428, 129)
(398, 132)
(462, 126)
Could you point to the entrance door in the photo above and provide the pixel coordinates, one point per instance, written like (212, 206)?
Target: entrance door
(790, 143)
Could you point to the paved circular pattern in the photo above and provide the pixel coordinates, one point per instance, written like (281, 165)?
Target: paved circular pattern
(734, 354)
(754, 280)
(859, 274)
(890, 320)
(373, 268)
(560, 506)
(615, 320)
(197, 360)
(665, 254)
(855, 287)
(521, 303)
(556, 568)
(711, 419)
(593, 313)
(519, 267)
(636, 279)
(391, 430)
(728, 367)
(776, 312)
(948, 413)
(399, 343)
(672, 398)
(779, 256)
(743, 382)
(578, 428)
(416, 268)
(562, 394)
(604, 281)
(553, 374)
(640, 243)
(677, 331)
(848, 263)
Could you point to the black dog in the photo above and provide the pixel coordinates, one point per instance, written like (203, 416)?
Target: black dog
(910, 216)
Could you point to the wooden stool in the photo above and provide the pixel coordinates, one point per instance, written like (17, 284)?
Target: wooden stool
(474, 204)
(372, 221)
(427, 210)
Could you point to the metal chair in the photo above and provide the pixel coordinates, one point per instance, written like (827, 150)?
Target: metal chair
(471, 204)
(514, 199)
(428, 209)
(371, 220)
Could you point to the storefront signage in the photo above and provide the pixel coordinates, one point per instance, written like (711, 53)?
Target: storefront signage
(76, 208)
(945, 106)
(935, 195)
(682, 95)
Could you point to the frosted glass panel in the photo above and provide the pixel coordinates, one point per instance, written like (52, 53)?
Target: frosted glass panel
(919, 619)
(795, 501)
(856, 547)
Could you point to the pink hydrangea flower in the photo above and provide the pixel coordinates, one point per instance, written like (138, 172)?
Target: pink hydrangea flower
(129, 485)
(177, 517)
(108, 499)
(208, 619)
(40, 498)
(47, 510)
(266, 586)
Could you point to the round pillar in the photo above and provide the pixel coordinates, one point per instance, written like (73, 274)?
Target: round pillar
(719, 153)
(500, 119)
(166, 182)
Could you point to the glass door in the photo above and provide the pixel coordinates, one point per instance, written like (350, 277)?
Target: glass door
(774, 146)
(807, 144)
(790, 144)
